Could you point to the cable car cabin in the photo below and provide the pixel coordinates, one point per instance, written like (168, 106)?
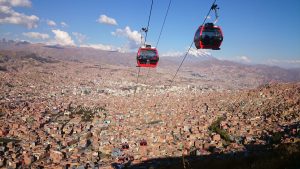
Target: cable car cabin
(147, 57)
(208, 36)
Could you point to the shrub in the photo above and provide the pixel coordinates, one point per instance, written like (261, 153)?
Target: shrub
(215, 127)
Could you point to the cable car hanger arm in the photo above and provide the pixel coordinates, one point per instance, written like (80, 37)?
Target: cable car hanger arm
(215, 8)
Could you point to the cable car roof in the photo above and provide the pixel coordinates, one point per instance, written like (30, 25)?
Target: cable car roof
(148, 46)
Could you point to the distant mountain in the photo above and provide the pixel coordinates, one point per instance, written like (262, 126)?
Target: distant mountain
(197, 65)
(82, 54)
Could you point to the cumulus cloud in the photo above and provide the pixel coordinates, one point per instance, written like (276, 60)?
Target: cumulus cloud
(63, 24)
(244, 59)
(128, 33)
(51, 23)
(62, 38)
(15, 3)
(36, 35)
(99, 46)
(80, 37)
(9, 16)
(133, 37)
(107, 20)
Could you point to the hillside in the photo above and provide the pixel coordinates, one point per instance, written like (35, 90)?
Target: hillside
(65, 106)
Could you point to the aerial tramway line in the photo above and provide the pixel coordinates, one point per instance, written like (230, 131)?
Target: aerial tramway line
(207, 36)
(147, 56)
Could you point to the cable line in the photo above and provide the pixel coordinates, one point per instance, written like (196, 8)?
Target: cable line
(213, 7)
(162, 27)
(149, 17)
(161, 30)
(146, 32)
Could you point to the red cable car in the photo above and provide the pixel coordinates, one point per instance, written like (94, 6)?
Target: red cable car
(143, 143)
(147, 57)
(208, 36)
(125, 146)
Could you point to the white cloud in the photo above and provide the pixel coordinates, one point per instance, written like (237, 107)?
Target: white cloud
(244, 59)
(62, 38)
(9, 16)
(107, 20)
(15, 3)
(36, 35)
(51, 23)
(63, 24)
(133, 37)
(99, 46)
(80, 37)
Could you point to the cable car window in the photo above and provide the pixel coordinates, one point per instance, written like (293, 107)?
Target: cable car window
(147, 54)
(211, 33)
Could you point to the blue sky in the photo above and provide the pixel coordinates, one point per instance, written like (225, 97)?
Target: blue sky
(255, 31)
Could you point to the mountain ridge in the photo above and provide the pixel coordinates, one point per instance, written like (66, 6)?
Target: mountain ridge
(204, 66)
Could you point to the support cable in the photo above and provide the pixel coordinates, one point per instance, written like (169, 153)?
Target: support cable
(213, 7)
(162, 27)
(160, 33)
(146, 33)
(147, 28)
